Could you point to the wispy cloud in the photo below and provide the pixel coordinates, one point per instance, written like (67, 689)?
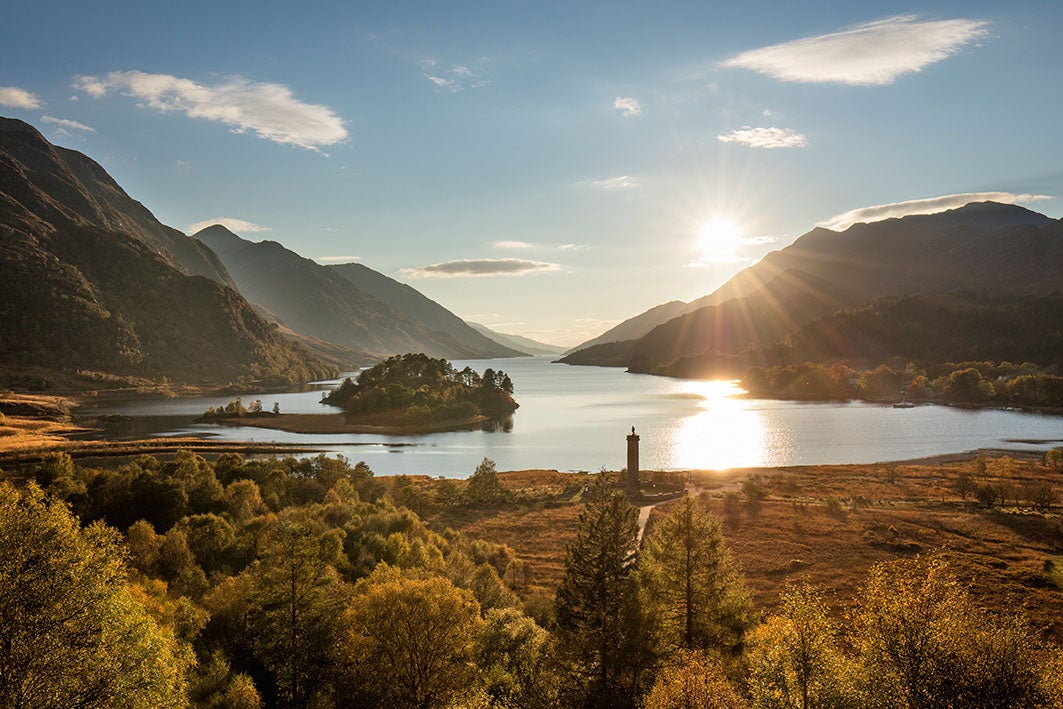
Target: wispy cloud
(623, 182)
(457, 78)
(768, 138)
(234, 225)
(512, 245)
(931, 205)
(66, 123)
(868, 54)
(627, 106)
(481, 267)
(268, 110)
(571, 247)
(18, 98)
(338, 259)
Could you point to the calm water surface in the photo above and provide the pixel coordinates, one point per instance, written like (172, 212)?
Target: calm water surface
(576, 418)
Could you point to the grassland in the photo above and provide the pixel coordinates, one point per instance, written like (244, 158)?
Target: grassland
(828, 525)
(32, 426)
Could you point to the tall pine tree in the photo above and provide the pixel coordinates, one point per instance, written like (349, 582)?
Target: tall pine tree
(601, 634)
(692, 586)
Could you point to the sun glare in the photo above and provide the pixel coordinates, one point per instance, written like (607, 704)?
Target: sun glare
(726, 432)
(719, 239)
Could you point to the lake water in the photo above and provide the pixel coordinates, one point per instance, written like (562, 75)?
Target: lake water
(577, 418)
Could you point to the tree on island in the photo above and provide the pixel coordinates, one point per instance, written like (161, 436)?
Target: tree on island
(416, 388)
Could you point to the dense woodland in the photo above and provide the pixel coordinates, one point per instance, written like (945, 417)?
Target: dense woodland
(416, 389)
(311, 583)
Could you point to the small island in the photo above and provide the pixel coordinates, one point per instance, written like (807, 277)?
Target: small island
(403, 395)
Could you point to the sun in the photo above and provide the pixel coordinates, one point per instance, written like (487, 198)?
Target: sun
(719, 239)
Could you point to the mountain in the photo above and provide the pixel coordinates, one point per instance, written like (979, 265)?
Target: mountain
(420, 308)
(321, 303)
(928, 330)
(93, 289)
(79, 190)
(985, 248)
(524, 344)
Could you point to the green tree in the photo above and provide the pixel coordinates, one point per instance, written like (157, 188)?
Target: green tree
(410, 640)
(967, 386)
(600, 626)
(484, 487)
(72, 632)
(794, 661)
(923, 643)
(294, 612)
(693, 681)
(511, 653)
(693, 587)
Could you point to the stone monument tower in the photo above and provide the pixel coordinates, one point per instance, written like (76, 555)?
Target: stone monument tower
(633, 460)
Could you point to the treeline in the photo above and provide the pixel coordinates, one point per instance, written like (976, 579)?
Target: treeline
(306, 583)
(417, 388)
(972, 383)
(928, 331)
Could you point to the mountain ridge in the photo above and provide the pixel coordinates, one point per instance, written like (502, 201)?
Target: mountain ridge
(988, 248)
(319, 302)
(88, 298)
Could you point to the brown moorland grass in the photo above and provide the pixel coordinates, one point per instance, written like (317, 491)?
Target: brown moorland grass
(827, 525)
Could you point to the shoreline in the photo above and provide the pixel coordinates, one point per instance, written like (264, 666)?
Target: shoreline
(329, 424)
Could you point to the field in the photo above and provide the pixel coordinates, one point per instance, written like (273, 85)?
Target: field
(828, 525)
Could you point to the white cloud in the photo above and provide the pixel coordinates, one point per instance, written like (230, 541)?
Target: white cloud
(234, 225)
(512, 245)
(623, 182)
(759, 240)
(869, 54)
(572, 247)
(337, 259)
(269, 111)
(457, 78)
(481, 267)
(768, 138)
(443, 82)
(18, 98)
(627, 106)
(931, 205)
(66, 123)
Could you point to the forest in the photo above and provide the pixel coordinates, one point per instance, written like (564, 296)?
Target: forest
(416, 388)
(313, 583)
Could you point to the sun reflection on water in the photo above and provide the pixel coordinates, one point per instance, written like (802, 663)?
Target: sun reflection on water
(725, 432)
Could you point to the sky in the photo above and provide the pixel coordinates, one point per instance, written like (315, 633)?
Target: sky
(547, 169)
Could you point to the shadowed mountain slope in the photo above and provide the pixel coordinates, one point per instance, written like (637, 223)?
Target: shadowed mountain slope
(87, 293)
(319, 302)
(69, 187)
(985, 248)
(929, 330)
(420, 308)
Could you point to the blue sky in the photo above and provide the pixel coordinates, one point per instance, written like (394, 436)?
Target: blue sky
(546, 168)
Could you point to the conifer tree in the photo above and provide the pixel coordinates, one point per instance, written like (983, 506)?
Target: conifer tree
(601, 632)
(692, 586)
